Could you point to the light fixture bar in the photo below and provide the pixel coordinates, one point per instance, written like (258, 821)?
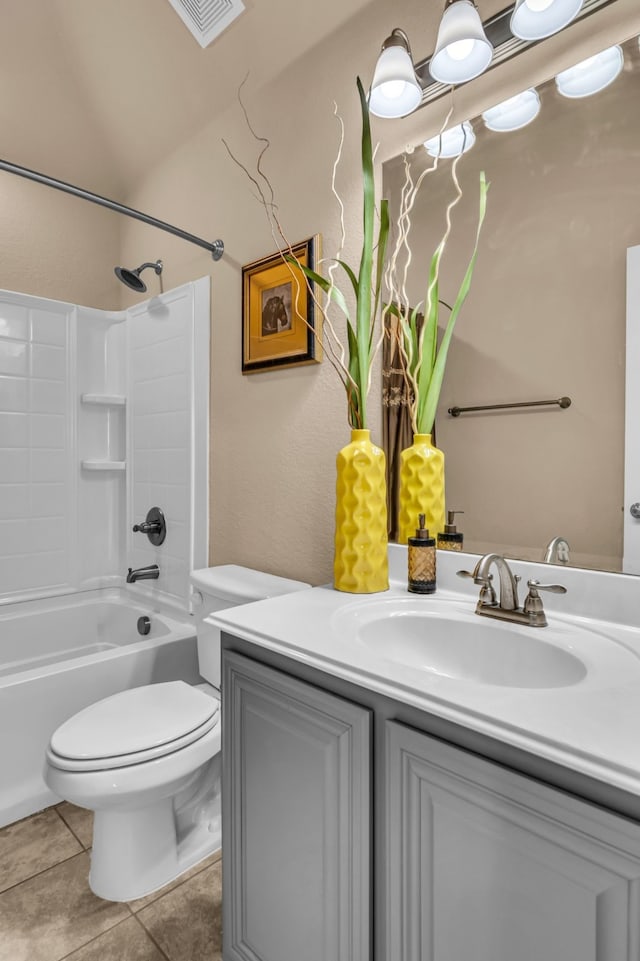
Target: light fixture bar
(505, 46)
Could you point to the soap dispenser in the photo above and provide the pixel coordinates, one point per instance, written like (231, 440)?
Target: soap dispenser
(451, 538)
(422, 560)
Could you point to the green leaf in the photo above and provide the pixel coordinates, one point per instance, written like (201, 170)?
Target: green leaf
(353, 392)
(363, 307)
(383, 236)
(429, 334)
(350, 274)
(428, 411)
(334, 293)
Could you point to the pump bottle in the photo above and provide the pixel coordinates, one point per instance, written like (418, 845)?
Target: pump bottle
(422, 560)
(451, 538)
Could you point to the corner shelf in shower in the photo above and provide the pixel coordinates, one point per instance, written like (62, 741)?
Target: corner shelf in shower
(104, 400)
(102, 465)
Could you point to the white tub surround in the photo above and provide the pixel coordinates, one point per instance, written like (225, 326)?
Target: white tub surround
(588, 725)
(167, 436)
(62, 654)
(100, 411)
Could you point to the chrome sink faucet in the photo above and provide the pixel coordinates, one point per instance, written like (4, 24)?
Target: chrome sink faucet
(557, 551)
(506, 606)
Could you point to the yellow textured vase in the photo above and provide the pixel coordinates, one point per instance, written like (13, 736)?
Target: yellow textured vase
(360, 561)
(421, 488)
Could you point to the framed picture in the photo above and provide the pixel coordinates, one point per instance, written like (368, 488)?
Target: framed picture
(281, 325)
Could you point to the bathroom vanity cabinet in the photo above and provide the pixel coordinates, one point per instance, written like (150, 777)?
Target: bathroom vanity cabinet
(337, 800)
(297, 796)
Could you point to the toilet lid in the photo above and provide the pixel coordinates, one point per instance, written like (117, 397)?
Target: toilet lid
(141, 721)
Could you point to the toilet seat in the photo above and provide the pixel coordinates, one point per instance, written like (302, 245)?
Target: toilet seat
(132, 727)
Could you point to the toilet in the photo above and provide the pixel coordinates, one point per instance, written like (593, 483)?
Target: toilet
(147, 760)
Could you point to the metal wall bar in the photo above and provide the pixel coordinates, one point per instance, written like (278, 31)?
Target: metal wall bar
(216, 246)
(562, 402)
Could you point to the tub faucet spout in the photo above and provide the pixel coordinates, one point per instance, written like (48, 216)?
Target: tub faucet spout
(143, 574)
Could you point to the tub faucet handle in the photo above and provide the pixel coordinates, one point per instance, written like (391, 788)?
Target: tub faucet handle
(146, 527)
(154, 526)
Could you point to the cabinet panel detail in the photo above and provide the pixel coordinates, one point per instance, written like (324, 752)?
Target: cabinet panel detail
(482, 863)
(296, 819)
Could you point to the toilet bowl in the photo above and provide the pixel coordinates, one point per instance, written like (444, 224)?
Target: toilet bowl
(147, 760)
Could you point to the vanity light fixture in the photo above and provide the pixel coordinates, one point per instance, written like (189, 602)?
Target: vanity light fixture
(536, 19)
(465, 48)
(395, 91)
(591, 75)
(514, 113)
(453, 142)
(462, 49)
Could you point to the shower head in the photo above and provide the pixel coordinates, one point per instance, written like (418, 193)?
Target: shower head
(132, 279)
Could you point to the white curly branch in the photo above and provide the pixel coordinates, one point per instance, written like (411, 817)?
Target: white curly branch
(336, 352)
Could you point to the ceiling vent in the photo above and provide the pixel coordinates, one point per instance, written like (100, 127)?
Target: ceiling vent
(206, 19)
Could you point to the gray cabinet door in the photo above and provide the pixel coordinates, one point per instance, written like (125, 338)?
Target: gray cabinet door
(295, 819)
(485, 864)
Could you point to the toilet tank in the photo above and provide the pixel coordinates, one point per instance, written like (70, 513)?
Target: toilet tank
(228, 585)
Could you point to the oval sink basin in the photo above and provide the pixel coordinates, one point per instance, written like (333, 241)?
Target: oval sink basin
(464, 647)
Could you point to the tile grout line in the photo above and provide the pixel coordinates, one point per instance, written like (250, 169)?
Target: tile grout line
(38, 874)
(175, 886)
(81, 947)
(152, 939)
(69, 828)
(34, 814)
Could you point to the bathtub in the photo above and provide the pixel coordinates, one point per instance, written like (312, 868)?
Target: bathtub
(60, 654)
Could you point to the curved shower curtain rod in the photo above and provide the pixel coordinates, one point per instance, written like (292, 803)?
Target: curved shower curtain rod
(216, 246)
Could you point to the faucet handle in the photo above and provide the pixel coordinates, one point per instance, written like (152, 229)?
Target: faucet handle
(533, 602)
(487, 594)
(535, 586)
(477, 579)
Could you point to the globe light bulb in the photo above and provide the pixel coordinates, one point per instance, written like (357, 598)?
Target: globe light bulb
(585, 66)
(591, 75)
(536, 19)
(392, 89)
(514, 113)
(453, 142)
(537, 6)
(460, 49)
(395, 90)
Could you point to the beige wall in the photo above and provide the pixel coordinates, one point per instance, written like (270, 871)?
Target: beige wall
(56, 246)
(274, 435)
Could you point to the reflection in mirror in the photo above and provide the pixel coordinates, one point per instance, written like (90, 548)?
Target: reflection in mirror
(545, 319)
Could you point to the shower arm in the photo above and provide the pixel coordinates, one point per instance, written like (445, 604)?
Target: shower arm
(216, 247)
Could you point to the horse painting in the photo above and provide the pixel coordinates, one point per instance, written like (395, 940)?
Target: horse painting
(274, 316)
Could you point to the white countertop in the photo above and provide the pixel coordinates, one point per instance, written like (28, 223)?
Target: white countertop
(592, 726)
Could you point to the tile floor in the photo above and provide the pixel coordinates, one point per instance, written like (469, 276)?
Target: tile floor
(48, 912)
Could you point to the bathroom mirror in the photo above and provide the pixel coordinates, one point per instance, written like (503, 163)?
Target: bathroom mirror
(545, 319)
